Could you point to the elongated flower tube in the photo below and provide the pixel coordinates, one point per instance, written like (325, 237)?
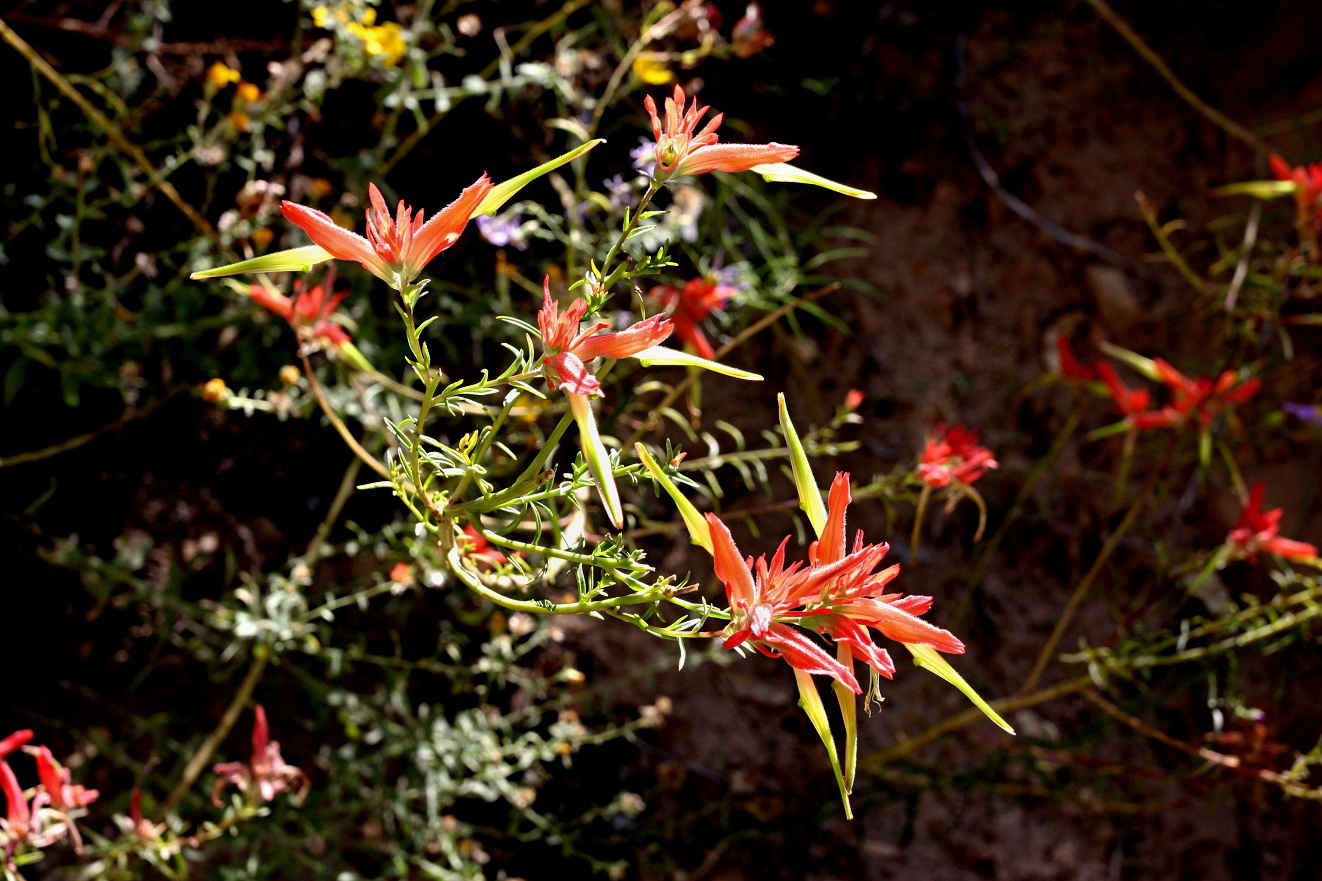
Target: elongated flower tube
(396, 248)
(1256, 530)
(679, 151)
(567, 352)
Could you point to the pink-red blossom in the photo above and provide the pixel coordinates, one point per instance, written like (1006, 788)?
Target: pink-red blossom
(59, 791)
(839, 594)
(690, 305)
(1203, 396)
(1256, 531)
(266, 774)
(396, 249)
(308, 313)
(679, 151)
(1307, 180)
(569, 349)
(952, 454)
(1133, 403)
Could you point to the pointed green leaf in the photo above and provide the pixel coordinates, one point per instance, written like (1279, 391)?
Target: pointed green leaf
(699, 531)
(597, 456)
(782, 172)
(848, 702)
(810, 497)
(1145, 366)
(811, 702)
(293, 260)
(930, 660)
(504, 191)
(662, 355)
(1258, 189)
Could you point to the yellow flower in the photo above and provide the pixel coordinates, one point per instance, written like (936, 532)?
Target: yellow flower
(214, 390)
(320, 15)
(262, 236)
(289, 375)
(385, 41)
(221, 75)
(249, 93)
(369, 17)
(240, 120)
(651, 70)
(321, 188)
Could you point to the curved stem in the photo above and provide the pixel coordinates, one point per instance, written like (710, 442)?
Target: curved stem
(342, 429)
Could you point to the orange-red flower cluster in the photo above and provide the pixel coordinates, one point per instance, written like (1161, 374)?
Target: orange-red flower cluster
(690, 305)
(838, 594)
(568, 350)
(679, 151)
(396, 248)
(1256, 531)
(952, 454)
(308, 313)
(1307, 180)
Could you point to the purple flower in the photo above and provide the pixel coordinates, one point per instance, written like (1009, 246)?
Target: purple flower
(1307, 412)
(620, 191)
(644, 156)
(503, 230)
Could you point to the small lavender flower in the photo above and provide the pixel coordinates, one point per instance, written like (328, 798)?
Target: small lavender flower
(1307, 412)
(621, 192)
(644, 156)
(503, 230)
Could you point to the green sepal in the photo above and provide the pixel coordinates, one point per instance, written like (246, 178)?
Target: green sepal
(598, 457)
(504, 191)
(930, 660)
(699, 531)
(1145, 366)
(293, 260)
(810, 497)
(674, 357)
(1258, 189)
(811, 702)
(783, 172)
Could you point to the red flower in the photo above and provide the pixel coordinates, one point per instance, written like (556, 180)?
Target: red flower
(690, 305)
(308, 313)
(18, 817)
(396, 248)
(1307, 180)
(838, 594)
(1204, 396)
(1256, 531)
(568, 350)
(1133, 403)
(953, 454)
(1070, 367)
(14, 741)
(679, 151)
(478, 548)
(60, 792)
(267, 774)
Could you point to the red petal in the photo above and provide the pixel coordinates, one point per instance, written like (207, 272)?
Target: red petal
(340, 243)
(804, 654)
(734, 157)
(441, 231)
(14, 741)
(730, 568)
(630, 341)
(572, 374)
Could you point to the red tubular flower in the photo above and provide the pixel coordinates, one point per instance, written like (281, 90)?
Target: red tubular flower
(953, 454)
(60, 792)
(1307, 180)
(479, 548)
(14, 741)
(1203, 396)
(396, 248)
(679, 151)
(1133, 403)
(267, 774)
(309, 313)
(838, 594)
(18, 817)
(1256, 531)
(690, 305)
(567, 350)
(1070, 367)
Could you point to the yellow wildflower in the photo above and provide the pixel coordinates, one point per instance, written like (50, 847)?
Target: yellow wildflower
(289, 375)
(240, 120)
(262, 236)
(249, 93)
(649, 68)
(221, 75)
(385, 41)
(321, 188)
(320, 15)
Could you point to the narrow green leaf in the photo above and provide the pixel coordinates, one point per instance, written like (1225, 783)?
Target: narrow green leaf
(503, 192)
(930, 660)
(699, 531)
(597, 456)
(811, 703)
(782, 172)
(810, 497)
(293, 260)
(1258, 189)
(662, 355)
